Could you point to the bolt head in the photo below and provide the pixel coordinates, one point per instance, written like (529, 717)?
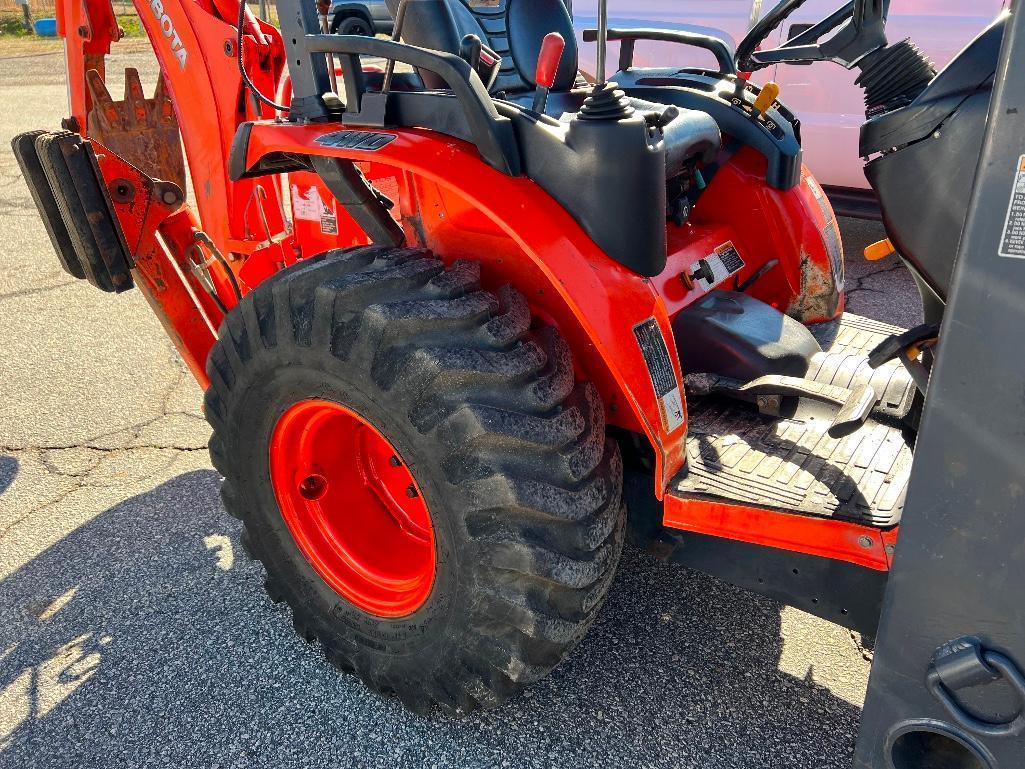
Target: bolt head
(865, 541)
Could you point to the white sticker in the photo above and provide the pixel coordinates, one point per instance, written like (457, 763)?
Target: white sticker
(1012, 243)
(724, 261)
(813, 185)
(663, 374)
(308, 206)
(671, 405)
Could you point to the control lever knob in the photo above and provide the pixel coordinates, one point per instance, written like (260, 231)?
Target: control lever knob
(484, 61)
(469, 49)
(703, 272)
(769, 94)
(662, 118)
(547, 68)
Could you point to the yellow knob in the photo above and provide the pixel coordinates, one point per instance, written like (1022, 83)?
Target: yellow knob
(765, 99)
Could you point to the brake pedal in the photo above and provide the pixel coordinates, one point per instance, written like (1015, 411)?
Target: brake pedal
(767, 392)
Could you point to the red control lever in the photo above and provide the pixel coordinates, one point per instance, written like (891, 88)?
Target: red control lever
(547, 68)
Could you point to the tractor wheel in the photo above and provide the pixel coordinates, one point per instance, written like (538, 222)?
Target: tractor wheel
(427, 485)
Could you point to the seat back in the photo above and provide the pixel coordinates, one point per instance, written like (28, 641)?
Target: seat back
(514, 29)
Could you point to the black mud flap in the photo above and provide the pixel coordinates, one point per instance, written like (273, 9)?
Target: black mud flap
(65, 181)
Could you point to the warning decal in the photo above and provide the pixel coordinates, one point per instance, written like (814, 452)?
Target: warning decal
(1012, 244)
(308, 206)
(663, 375)
(723, 262)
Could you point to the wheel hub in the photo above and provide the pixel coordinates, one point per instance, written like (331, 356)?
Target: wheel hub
(353, 507)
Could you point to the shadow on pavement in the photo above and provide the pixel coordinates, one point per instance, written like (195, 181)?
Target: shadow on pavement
(145, 638)
(8, 469)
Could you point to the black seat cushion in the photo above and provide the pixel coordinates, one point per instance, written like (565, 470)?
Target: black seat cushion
(737, 336)
(514, 29)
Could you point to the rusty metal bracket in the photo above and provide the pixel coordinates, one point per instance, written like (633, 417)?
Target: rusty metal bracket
(142, 131)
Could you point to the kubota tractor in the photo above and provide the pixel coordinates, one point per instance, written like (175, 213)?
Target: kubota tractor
(450, 312)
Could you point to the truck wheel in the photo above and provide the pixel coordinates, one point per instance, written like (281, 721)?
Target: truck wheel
(425, 482)
(352, 25)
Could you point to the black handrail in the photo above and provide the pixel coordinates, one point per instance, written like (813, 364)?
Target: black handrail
(719, 48)
(491, 132)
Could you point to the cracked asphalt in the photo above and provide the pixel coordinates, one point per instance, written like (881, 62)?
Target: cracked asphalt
(133, 632)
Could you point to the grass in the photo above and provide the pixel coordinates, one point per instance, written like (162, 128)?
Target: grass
(16, 41)
(131, 25)
(12, 25)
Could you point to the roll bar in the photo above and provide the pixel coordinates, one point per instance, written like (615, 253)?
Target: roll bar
(313, 100)
(628, 38)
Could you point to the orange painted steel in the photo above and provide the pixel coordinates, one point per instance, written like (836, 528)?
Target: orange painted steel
(463, 209)
(449, 200)
(158, 233)
(353, 508)
(824, 537)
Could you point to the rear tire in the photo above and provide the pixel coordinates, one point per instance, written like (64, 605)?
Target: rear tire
(508, 450)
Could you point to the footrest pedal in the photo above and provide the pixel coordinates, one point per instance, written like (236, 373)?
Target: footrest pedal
(855, 405)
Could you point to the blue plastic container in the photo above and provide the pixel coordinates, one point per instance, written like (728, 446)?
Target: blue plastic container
(46, 27)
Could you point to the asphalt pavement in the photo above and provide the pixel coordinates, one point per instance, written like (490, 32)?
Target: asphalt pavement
(134, 631)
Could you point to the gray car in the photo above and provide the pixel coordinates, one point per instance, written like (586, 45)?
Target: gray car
(360, 17)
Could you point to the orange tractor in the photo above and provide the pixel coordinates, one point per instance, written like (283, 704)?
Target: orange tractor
(450, 312)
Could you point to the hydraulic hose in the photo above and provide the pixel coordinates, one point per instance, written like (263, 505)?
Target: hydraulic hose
(243, 9)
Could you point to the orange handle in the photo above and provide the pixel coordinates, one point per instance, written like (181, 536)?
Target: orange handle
(880, 250)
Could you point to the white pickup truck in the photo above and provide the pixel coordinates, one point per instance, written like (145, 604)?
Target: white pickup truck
(823, 95)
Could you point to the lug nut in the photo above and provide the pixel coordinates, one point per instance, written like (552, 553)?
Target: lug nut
(313, 487)
(411, 491)
(395, 461)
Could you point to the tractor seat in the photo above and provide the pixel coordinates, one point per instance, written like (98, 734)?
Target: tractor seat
(514, 29)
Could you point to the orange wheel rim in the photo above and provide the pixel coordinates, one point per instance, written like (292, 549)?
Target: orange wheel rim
(353, 508)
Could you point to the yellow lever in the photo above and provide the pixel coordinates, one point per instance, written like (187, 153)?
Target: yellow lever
(765, 99)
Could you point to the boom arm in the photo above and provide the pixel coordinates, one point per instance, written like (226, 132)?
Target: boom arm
(196, 50)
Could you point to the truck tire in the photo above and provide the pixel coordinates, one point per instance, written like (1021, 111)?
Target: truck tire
(427, 485)
(352, 24)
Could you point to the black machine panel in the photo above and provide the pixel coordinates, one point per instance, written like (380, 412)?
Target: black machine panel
(930, 150)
